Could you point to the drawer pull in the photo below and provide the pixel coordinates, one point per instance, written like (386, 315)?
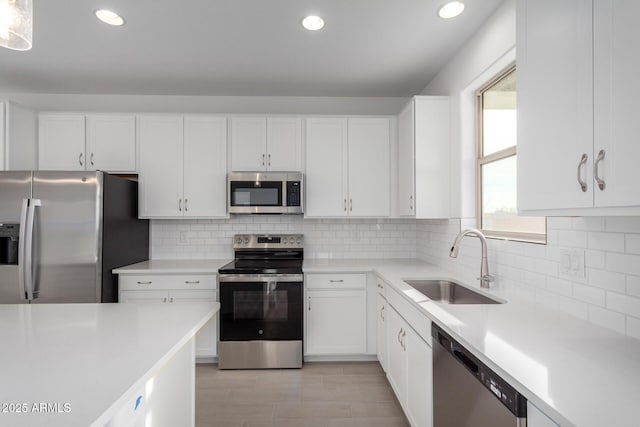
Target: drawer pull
(144, 283)
(336, 281)
(192, 282)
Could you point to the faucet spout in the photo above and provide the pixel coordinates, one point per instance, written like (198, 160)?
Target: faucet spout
(485, 278)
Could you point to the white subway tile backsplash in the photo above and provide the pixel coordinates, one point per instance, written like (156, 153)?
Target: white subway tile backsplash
(623, 303)
(623, 224)
(589, 294)
(633, 286)
(608, 319)
(633, 327)
(632, 244)
(613, 242)
(629, 264)
(574, 239)
(606, 280)
(589, 223)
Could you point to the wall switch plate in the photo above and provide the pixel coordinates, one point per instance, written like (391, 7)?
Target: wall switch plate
(572, 263)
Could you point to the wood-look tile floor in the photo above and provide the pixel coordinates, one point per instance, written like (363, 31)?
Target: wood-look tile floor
(318, 395)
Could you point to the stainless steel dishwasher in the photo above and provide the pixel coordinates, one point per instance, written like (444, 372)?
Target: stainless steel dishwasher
(466, 393)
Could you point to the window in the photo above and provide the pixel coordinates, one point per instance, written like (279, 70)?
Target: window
(496, 166)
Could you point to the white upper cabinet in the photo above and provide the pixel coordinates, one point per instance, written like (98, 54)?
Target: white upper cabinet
(111, 143)
(617, 91)
(424, 163)
(266, 144)
(368, 141)
(18, 137)
(326, 184)
(577, 149)
(183, 166)
(205, 166)
(87, 142)
(160, 178)
(61, 142)
(347, 171)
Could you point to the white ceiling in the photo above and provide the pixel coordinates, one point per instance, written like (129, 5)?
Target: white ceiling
(239, 47)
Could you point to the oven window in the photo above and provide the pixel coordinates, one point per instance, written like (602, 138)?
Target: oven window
(262, 193)
(251, 305)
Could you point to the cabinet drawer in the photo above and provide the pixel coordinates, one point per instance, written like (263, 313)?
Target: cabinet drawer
(336, 281)
(167, 281)
(417, 320)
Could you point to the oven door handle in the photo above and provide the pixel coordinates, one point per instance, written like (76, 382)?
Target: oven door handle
(264, 278)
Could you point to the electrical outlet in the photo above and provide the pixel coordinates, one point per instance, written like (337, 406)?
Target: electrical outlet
(572, 263)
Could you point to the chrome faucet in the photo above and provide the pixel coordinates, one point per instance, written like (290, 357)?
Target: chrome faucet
(485, 278)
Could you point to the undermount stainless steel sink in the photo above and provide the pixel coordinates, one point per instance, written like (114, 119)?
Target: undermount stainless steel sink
(447, 292)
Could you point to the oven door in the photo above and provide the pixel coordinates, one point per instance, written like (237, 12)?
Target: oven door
(261, 307)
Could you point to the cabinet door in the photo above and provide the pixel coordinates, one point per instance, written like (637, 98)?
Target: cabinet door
(555, 103)
(143, 296)
(207, 336)
(327, 164)
(381, 330)
(160, 178)
(61, 139)
(284, 144)
(617, 90)
(205, 166)
(3, 162)
(397, 363)
(369, 167)
(406, 161)
(248, 144)
(111, 143)
(336, 322)
(419, 405)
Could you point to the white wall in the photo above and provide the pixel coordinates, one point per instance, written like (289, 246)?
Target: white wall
(324, 238)
(609, 294)
(208, 104)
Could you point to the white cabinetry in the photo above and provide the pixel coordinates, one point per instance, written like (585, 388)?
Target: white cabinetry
(266, 144)
(576, 121)
(18, 137)
(535, 418)
(172, 289)
(381, 331)
(409, 357)
(347, 171)
(87, 142)
(336, 314)
(182, 166)
(424, 162)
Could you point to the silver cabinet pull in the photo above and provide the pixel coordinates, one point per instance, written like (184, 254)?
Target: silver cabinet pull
(336, 281)
(171, 299)
(404, 346)
(382, 313)
(80, 159)
(269, 159)
(596, 173)
(186, 206)
(309, 303)
(582, 182)
(345, 205)
(193, 282)
(399, 333)
(165, 299)
(262, 159)
(180, 205)
(145, 283)
(351, 205)
(411, 202)
(91, 160)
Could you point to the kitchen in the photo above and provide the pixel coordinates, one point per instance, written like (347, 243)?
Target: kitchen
(571, 303)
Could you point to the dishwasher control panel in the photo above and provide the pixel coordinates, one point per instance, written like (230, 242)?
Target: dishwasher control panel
(515, 402)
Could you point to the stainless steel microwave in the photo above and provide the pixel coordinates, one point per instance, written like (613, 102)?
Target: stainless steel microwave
(265, 192)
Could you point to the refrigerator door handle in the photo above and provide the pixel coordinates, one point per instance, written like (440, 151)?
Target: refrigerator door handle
(21, 248)
(28, 264)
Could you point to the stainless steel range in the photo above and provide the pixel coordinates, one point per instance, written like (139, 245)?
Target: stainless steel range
(261, 303)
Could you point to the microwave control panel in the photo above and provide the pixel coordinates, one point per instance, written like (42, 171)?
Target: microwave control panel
(293, 193)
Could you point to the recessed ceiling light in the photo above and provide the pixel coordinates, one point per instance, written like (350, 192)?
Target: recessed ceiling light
(109, 17)
(451, 9)
(313, 23)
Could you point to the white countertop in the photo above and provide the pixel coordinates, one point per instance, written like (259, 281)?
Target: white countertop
(87, 355)
(578, 373)
(179, 266)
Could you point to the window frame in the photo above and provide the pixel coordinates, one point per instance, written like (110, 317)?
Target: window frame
(482, 160)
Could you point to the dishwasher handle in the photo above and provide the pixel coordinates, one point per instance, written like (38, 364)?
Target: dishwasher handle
(466, 361)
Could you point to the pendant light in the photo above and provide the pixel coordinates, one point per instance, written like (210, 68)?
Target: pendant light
(16, 24)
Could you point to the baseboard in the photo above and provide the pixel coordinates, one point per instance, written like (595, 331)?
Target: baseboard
(206, 359)
(342, 358)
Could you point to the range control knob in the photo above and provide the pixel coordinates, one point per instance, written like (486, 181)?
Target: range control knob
(298, 240)
(246, 240)
(284, 241)
(239, 240)
(291, 240)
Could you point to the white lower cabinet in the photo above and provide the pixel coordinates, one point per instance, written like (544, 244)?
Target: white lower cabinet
(381, 331)
(535, 418)
(176, 288)
(409, 369)
(336, 314)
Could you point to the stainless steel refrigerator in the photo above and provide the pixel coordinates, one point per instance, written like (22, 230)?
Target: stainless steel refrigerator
(61, 234)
